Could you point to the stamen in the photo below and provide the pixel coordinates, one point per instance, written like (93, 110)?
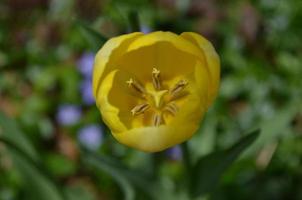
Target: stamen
(156, 79)
(136, 85)
(157, 119)
(178, 87)
(139, 109)
(172, 108)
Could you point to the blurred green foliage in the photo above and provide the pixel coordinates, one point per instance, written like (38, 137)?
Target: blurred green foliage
(41, 45)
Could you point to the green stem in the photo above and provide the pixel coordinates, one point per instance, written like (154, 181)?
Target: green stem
(186, 156)
(156, 162)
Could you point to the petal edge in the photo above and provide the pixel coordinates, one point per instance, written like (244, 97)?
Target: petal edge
(110, 51)
(212, 59)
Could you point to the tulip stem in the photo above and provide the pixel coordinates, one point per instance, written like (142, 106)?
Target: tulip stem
(186, 158)
(156, 163)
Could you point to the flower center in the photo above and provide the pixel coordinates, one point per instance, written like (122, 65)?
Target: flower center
(161, 100)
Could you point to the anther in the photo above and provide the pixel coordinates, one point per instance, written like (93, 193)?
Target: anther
(171, 107)
(157, 119)
(136, 85)
(156, 79)
(180, 85)
(139, 109)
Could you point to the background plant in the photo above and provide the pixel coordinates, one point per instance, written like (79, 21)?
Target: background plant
(54, 145)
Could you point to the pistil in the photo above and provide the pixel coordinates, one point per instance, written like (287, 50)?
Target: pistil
(158, 97)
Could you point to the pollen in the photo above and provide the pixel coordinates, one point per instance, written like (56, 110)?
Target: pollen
(180, 85)
(136, 86)
(158, 100)
(139, 109)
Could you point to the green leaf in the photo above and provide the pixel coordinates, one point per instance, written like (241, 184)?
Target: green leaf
(9, 130)
(276, 126)
(116, 175)
(126, 178)
(59, 165)
(78, 193)
(94, 38)
(38, 185)
(209, 169)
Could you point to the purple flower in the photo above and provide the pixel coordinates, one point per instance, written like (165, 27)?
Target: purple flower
(145, 29)
(85, 64)
(86, 91)
(91, 136)
(174, 153)
(68, 114)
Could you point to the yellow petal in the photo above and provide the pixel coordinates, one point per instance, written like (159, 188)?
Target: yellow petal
(110, 113)
(154, 139)
(188, 57)
(164, 56)
(146, 137)
(168, 37)
(203, 83)
(116, 100)
(107, 55)
(212, 59)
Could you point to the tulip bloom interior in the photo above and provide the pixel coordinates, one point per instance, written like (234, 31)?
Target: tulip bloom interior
(153, 89)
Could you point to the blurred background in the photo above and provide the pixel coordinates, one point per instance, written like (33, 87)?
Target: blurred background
(48, 112)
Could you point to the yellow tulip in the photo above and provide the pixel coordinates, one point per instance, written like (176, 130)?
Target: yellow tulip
(153, 89)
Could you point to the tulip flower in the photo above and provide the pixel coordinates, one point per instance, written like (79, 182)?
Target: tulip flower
(153, 89)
